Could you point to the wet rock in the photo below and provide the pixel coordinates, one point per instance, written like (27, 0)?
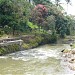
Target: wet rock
(72, 67)
(72, 61)
(66, 51)
(69, 56)
(63, 50)
(73, 51)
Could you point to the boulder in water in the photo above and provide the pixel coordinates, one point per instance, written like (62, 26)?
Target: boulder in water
(65, 51)
(72, 61)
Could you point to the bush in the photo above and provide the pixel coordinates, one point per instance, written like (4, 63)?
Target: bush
(36, 41)
(48, 38)
(26, 46)
(68, 32)
(53, 38)
(2, 51)
(9, 49)
(33, 45)
(39, 39)
(33, 42)
(1, 32)
(62, 34)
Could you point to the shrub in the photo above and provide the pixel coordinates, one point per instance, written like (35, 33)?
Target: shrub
(9, 49)
(2, 50)
(53, 38)
(1, 32)
(26, 46)
(39, 39)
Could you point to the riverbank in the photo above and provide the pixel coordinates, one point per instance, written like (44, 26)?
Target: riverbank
(33, 41)
(29, 42)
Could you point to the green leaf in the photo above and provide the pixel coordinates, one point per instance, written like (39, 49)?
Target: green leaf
(31, 25)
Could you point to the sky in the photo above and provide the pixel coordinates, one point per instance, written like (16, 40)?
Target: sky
(70, 9)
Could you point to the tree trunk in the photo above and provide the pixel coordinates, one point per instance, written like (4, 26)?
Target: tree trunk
(13, 30)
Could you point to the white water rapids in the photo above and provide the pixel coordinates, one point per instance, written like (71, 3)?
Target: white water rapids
(44, 60)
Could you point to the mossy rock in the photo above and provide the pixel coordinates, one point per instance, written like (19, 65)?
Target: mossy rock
(66, 51)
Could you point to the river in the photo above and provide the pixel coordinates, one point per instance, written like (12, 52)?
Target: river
(43, 60)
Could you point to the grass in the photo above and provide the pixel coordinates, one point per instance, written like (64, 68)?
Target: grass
(5, 36)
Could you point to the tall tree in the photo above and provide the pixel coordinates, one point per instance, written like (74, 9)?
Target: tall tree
(14, 12)
(41, 1)
(39, 15)
(57, 2)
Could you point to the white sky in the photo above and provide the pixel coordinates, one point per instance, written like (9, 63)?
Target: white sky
(70, 9)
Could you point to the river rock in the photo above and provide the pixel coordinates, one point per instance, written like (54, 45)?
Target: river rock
(72, 61)
(66, 51)
(72, 67)
(69, 56)
(73, 51)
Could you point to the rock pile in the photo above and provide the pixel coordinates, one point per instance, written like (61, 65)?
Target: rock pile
(69, 57)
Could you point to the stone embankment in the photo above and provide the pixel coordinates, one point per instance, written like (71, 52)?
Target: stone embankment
(10, 45)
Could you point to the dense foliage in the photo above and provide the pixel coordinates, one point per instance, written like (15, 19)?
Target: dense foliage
(14, 15)
(19, 16)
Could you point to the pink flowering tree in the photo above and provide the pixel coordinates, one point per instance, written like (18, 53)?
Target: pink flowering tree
(39, 15)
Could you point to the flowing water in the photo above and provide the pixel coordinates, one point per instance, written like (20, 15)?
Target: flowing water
(44, 60)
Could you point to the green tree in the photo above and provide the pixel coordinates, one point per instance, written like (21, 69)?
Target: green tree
(13, 13)
(5, 12)
(42, 2)
(51, 22)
